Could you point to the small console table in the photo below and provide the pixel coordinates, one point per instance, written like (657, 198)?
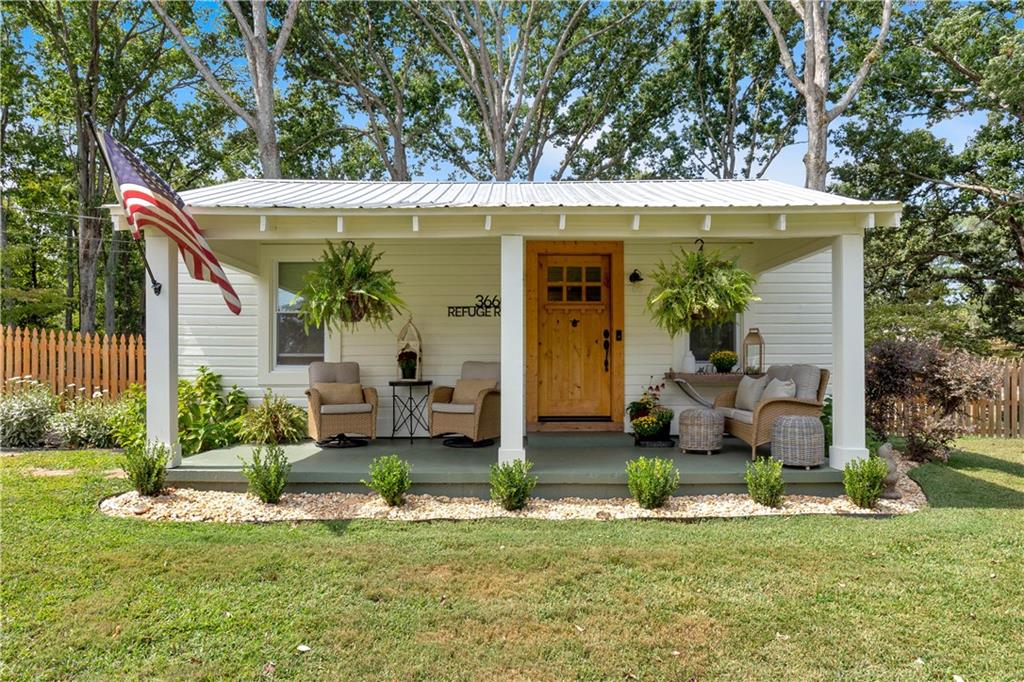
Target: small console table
(408, 410)
(686, 381)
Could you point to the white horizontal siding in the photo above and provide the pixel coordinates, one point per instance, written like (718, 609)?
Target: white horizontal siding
(208, 334)
(432, 275)
(795, 311)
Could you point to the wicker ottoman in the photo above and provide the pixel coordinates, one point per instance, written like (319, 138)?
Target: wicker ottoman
(798, 441)
(700, 428)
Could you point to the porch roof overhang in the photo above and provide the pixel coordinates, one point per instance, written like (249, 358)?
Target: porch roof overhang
(271, 209)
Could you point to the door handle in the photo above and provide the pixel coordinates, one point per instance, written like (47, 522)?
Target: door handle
(607, 345)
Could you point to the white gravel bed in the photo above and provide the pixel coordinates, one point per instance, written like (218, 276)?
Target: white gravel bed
(186, 504)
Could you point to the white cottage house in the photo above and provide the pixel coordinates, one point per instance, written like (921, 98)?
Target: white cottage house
(454, 244)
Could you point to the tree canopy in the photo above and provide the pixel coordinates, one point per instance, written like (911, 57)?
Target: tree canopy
(524, 90)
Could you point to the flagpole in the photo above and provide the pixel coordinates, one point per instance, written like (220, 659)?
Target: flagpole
(157, 286)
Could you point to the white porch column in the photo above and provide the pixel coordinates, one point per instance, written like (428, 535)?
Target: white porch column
(162, 345)
(847, 350)
(512, 346)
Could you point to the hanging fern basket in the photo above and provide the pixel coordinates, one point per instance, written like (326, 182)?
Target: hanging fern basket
(698, 289)
(346, 287)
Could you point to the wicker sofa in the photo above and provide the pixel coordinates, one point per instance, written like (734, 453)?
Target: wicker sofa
(327, 419)
(479, 421)
(755, 427)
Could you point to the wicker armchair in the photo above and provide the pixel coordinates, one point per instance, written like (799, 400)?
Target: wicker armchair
(755, 428)
(327, 420)
(480, 421)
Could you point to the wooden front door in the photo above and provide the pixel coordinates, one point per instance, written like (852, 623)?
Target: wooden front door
(574, 337)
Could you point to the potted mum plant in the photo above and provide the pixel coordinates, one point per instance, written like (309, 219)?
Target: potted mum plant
(346, 287)
(723, 360)
(698, 289)
(650, 420)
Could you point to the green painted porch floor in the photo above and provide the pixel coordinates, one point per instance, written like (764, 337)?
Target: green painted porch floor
(585, 465)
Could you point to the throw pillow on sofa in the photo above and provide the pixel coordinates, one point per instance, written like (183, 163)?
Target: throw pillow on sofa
(779, 389)
(748, 393)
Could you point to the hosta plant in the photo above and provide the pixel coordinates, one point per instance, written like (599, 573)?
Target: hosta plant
(698, 289)
(346, 287)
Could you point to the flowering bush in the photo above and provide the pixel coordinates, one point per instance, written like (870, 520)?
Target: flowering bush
(648, 400)
(25, 411)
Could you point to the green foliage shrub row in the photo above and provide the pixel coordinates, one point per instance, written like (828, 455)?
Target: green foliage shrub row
(146, 467)
(864, 481)
(651, 480)
(764, 482)
(511, 484)
(267, 472)
(391, 478)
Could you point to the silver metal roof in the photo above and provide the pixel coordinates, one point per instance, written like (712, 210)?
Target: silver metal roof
(632, 194)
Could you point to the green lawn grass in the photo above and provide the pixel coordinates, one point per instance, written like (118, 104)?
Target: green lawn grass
(924, 596)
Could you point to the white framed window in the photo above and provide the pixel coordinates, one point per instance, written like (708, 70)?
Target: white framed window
(292, 344)
(706, 340)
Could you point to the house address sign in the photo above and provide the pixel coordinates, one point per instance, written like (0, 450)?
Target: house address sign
(485, 306)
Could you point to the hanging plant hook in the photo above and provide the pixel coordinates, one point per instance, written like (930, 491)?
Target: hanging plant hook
(701, 242)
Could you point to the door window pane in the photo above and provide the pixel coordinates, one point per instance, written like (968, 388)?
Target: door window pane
(574, 273)
(594, 294)
(574, 293)
(292, 344)
(555, 274)
(593, 274)
(554, 293)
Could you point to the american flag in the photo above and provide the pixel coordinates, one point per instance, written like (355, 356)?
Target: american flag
(150, 202)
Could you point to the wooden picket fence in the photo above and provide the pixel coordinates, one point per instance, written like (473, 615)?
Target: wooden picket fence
(1000, 417)
(58, 359)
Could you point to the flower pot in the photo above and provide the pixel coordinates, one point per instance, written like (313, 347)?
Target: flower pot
(660, 439)
(408, 371)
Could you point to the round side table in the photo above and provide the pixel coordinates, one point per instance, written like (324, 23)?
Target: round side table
(798, 440)
(700, 428)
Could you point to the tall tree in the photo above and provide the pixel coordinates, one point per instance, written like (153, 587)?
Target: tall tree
(513, 62)
(716, 103)
(815, 82)
(370, 62)
(961, 242)
(262, 55)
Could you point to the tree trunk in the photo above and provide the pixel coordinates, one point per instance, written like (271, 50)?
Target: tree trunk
(69, 277)
(110, 285)
(816, 158)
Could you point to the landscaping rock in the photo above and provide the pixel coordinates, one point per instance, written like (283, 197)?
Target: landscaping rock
(185, 504)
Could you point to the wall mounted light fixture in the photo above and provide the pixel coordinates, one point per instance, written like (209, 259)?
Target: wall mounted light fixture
(635, 277)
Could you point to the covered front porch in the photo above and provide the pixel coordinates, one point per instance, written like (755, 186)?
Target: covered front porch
(453, 243)
(566, 464)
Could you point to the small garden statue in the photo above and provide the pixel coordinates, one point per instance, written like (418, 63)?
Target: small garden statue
(887, 453)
